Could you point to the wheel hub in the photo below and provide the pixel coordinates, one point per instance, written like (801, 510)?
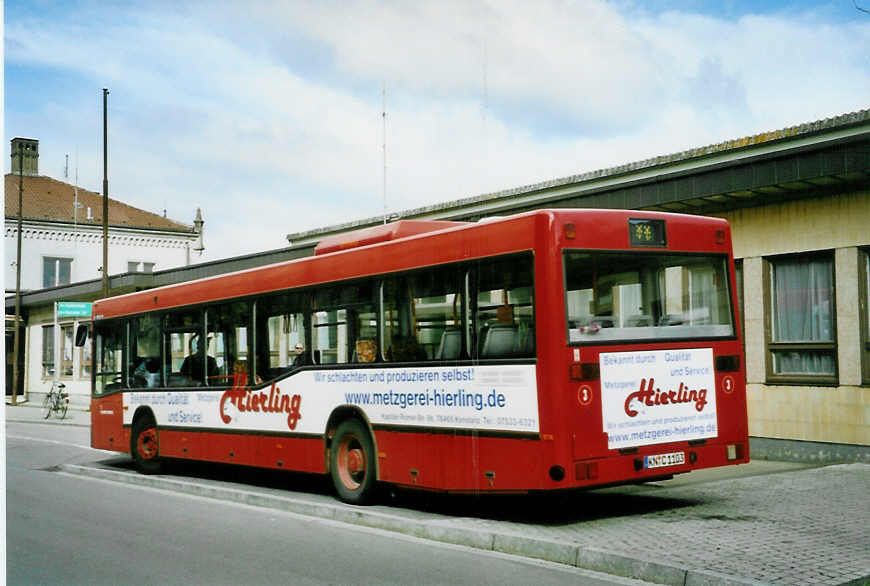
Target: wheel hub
(147, 444)
(355, 461)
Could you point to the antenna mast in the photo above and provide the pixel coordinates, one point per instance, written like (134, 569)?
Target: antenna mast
(384, 116)
(76, 192)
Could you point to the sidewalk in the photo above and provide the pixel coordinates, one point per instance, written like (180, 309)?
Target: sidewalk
(29, 412)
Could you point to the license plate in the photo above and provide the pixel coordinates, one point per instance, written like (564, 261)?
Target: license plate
(663, 460)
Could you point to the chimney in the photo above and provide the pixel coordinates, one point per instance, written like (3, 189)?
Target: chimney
(28, 149)
(197, 227)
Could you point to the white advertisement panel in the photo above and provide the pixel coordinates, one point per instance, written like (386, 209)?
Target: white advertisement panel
(657, 396)
(487, 398)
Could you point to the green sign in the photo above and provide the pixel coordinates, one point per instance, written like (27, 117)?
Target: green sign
(74, 309)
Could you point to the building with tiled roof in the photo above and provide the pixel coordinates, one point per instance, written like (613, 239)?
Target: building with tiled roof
(62, 238)
(62, 245)
(47, 199)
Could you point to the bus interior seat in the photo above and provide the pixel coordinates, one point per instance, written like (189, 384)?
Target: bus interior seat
(451, 344)
(526, 344)
(182, 380)
(499, 340)
(671, 320)
(638, 320)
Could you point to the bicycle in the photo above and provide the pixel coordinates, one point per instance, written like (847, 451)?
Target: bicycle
(56, 400)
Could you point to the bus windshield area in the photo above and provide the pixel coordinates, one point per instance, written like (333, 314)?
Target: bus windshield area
(613, 296)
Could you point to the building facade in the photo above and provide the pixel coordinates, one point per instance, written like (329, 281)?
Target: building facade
(61, 244)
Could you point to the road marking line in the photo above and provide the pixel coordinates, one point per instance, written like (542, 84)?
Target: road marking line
(58, 442)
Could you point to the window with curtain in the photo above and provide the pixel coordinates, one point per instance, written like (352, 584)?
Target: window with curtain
(864, 292)
(802, 345)
(47, 351)
(66, 350)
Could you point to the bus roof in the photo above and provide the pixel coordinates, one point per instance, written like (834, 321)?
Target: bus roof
(383, 233)
(406, 245)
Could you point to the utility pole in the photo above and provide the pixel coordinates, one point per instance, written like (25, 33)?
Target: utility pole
(105, 197)
(17, 340)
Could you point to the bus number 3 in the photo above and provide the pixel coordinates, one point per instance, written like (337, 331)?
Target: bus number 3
(584, 395)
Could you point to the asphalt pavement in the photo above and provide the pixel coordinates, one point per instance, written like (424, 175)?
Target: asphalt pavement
(761, 523)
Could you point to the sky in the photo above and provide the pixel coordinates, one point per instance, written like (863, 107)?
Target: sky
(269, 116)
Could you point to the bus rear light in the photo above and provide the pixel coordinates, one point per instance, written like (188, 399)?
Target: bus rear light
(586, 470)
(728, 363)
(585, 371)
(557, 473)
(570, 232)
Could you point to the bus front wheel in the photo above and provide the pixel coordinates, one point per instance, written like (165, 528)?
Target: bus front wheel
(144, 446)
(352, 462)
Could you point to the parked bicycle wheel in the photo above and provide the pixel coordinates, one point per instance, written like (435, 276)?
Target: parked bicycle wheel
(62, 406)
(47, 404)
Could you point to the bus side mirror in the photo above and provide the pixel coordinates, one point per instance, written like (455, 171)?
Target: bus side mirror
(81, 335)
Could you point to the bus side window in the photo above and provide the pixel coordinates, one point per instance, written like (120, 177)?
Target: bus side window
(423, 315)
(183, 351)
(108, 373)
(143, 358)
(504, 317)
(282, 335)
(228, 327)
(341, 316)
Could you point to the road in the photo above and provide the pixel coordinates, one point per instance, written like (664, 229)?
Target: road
(67, 529)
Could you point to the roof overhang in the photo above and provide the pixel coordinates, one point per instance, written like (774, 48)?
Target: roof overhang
(790, 163)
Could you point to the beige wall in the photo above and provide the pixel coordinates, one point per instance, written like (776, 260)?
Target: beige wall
(810, 224)
(840, 223)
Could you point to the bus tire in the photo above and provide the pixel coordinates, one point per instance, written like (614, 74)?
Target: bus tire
(145, 446)
(352, 462)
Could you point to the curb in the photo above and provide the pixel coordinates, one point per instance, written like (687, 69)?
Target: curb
(437, 530)
(67, 421)
(16, 414)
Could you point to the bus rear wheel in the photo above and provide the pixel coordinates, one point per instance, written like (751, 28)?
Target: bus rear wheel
(145, 446)
(352, 462)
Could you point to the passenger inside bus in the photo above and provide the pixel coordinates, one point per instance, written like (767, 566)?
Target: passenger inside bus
(147, 373)
(192, 367)
(301, 358)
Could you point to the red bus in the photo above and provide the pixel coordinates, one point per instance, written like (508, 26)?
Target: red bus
(547, 350)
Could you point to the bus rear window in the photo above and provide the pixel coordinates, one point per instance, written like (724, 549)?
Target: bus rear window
(625, 297)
